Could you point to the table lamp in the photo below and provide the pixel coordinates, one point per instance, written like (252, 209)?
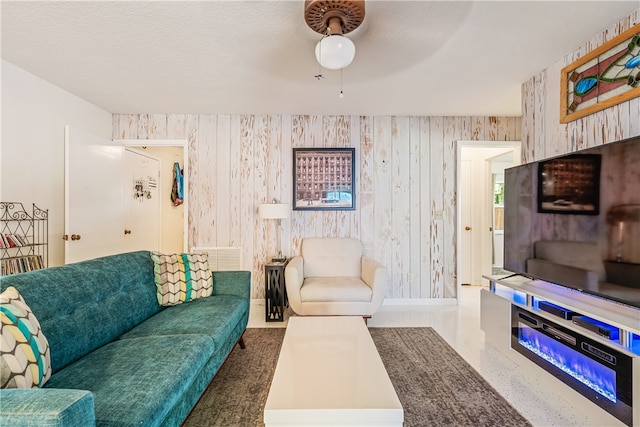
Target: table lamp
(278, 211)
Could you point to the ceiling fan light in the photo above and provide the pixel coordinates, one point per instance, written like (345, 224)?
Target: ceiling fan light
(335, 52)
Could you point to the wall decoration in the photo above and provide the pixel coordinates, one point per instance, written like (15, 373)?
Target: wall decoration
(324, 179)
(570, 185)
(606, 76)
(177, 188)
(142, 188)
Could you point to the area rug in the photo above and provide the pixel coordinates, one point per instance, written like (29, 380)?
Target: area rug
(435, 385)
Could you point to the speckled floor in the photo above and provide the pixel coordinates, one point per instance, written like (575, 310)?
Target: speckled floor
(459, 325)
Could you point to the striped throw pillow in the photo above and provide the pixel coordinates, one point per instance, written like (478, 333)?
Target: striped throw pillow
(181, 278)
(25, 359)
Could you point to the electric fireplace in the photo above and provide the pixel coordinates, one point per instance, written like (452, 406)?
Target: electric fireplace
(600, 373)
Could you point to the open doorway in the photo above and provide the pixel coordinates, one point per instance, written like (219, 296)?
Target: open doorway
(497, 166)
(173, 216)
(479, 166)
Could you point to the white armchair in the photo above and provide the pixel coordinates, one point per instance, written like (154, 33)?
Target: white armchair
(331, 277)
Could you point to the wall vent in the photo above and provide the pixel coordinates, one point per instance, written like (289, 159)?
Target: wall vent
(222, 258)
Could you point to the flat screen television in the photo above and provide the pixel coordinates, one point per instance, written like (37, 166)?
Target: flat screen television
(574, 220)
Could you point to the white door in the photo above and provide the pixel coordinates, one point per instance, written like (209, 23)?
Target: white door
(141, 201)
(466, 237)
(93, 196)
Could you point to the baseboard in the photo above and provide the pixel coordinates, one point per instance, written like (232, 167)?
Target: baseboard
(419, 301)
(396, 301)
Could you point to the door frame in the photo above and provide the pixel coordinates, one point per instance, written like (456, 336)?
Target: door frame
(185, 159)
(463, 184)
(517, 147)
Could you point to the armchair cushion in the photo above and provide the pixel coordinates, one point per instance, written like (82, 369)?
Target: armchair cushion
(318, 289)
(331, 257)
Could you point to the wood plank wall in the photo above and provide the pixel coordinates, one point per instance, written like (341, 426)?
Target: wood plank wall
(405, 180)
(544, 136)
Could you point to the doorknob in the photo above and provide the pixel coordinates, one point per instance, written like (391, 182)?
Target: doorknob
(467, 228)
(75, 237)
(127, 232)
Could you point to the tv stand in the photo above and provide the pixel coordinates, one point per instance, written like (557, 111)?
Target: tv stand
(620, 331)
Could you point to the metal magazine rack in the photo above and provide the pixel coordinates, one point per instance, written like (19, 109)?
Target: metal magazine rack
(23, 238)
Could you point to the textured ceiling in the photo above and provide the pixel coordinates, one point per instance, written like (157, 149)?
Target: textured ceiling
(253, 57)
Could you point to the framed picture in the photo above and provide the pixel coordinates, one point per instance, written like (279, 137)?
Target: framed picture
(606, 76)
(570, 185)
(324, 179)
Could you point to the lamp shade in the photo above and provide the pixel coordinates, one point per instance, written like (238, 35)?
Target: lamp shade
(273, 210)
(335, 52)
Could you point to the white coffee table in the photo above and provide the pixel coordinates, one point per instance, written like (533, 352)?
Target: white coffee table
(329, 373)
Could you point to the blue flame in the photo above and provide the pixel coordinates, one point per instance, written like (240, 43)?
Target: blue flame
(589, 372)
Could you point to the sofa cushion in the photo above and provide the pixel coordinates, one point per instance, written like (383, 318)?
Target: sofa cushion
(214, 317)
(577, 254)
(335, 289)
(84, 305)
(328, 257)
(138, 381)
(25, 360)
(180, 278)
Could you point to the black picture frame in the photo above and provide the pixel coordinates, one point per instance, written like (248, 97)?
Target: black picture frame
(324, 179)
(570, 185)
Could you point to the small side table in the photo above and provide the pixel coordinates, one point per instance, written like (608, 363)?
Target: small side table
(275, 291)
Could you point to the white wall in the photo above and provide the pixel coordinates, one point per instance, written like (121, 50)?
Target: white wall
(34, 113)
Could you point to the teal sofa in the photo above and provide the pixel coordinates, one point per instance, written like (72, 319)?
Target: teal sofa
(117, 357)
